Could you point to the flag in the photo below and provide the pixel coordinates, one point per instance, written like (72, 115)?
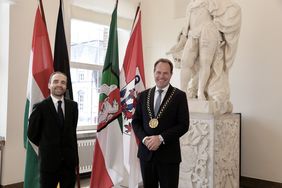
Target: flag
(61, 56)
(61, 61)
(107, 168)
(40, 69)
(132, 81)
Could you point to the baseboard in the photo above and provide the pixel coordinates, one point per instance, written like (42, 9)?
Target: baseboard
(16, 185)
(246, 182)
(85, 175)
(21, 184)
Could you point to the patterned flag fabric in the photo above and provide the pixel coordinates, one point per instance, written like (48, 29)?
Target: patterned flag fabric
(107, 165)
(40, 69)
(61, 56)
(132, 82)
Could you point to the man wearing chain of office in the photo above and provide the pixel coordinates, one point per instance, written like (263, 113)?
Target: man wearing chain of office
(160, 119)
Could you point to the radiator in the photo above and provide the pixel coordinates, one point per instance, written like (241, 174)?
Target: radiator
(85, 153)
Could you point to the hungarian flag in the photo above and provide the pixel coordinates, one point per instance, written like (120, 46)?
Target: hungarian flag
(61, 56)
(40, 69)
(107, 168)
(132, 79)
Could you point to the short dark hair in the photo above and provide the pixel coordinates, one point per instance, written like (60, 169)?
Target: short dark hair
(164, 60)
(56, 72)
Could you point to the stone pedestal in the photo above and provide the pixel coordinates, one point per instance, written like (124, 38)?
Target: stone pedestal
(211, 152)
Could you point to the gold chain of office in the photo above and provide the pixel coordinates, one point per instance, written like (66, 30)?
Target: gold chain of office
(154, 122)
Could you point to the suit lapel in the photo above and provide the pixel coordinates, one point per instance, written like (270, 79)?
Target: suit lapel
(54, 111)
(168, 93)
(52, 107)
(67, 111)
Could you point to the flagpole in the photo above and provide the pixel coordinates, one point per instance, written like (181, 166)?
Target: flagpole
(137, 10)
(42, 12)
(136, 13)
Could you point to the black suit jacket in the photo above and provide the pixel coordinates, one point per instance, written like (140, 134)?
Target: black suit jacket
(173, 123)
(56, 145)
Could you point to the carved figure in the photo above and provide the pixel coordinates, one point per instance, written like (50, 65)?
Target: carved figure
(206, 49)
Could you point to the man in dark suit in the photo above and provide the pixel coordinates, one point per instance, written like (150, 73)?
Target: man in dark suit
(52, 127)
(160, 119)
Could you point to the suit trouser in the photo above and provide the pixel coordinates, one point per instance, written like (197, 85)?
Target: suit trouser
(155, 173)
(65, 175)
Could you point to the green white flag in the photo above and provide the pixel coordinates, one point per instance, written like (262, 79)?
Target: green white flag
(108, 168)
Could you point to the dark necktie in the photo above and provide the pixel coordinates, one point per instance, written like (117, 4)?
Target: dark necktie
(158, 102)
(60, 114)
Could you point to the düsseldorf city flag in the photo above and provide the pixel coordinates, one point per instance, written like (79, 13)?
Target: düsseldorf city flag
(107, 168)
(40, 69)
(132, 81)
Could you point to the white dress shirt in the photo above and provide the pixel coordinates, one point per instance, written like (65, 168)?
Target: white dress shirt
(162, 95)
(55, 101)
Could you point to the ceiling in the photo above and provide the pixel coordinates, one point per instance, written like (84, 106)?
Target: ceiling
(126, 8)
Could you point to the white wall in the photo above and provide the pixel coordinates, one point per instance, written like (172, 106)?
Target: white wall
(4, 45)
(255, 77)
(159, 30)
(256, 88)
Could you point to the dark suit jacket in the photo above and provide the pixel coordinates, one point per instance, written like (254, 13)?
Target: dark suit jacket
(56, 145)
(173, 123)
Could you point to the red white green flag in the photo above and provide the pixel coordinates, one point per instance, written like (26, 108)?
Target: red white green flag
(40, 69)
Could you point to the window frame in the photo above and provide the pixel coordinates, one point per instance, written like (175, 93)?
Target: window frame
(82, 14)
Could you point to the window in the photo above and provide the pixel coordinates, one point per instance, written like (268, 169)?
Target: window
(89, 42)
(81, 76)
(81, 100)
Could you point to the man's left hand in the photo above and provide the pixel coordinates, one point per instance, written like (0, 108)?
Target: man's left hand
(153, 142)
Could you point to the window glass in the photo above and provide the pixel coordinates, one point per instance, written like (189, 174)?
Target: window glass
(88, 50)
(85, 92)
(88, 42)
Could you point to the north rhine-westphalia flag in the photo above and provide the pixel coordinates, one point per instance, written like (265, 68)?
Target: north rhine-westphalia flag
(61, 56)
(40, 69)
(132, 81)
(107, 168)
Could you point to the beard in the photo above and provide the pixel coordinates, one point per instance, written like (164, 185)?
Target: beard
(58, 91)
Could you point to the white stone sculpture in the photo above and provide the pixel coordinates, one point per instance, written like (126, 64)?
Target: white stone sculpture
(210, 152)
(206, 49)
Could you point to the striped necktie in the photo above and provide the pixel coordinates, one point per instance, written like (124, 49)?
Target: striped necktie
(158, 102)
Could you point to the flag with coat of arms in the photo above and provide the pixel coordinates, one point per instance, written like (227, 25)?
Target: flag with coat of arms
(108, 168)
(132, 82)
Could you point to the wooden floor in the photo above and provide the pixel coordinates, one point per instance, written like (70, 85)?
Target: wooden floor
(84, 183)
(245, 183)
